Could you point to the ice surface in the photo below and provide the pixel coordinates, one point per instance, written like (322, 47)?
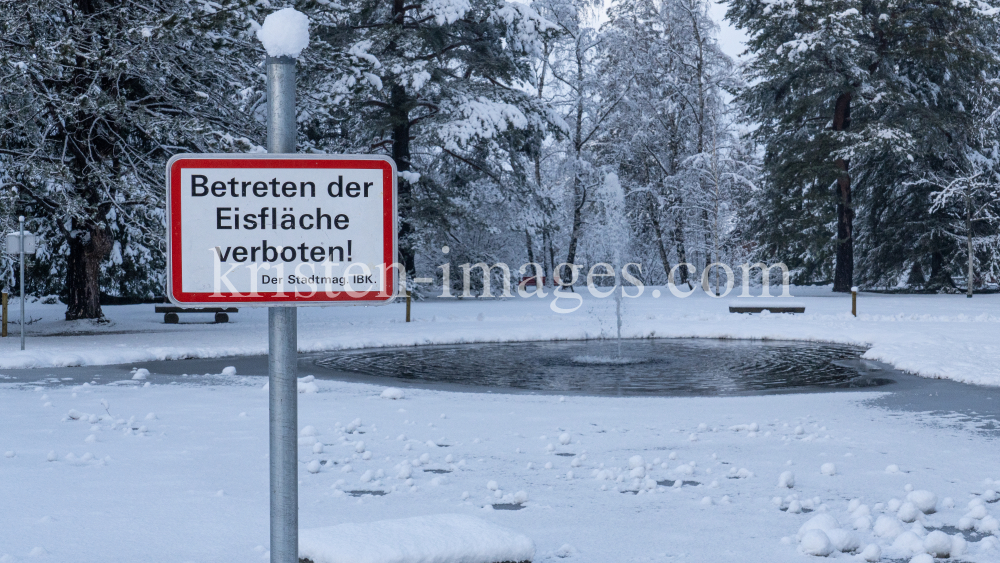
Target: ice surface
(422, 539)
(285, 33)
(916, 333)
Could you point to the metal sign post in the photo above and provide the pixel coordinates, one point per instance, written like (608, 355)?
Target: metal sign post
(281, 230)
(21, 221)
(19, 243)
(282, 337)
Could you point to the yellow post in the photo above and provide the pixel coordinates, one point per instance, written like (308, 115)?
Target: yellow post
(407, 305)
(3, 331)
(854, 301)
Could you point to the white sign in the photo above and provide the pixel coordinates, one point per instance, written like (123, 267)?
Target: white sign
(14, 243)
(281, 229)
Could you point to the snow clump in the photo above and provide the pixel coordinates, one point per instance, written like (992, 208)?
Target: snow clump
(229, 370)
(394, 393)
(307, 384)
(285, 33)
(822, 535)
(786, 480)
(815, 542)
(828, 469)
(141, 373)
(564, 438)
(925, 501)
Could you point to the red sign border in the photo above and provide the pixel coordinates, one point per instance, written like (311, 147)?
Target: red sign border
(279, 161)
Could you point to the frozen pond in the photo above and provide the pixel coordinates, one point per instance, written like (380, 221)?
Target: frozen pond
(638, 367)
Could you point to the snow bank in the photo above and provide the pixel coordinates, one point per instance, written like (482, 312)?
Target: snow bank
(441, 537)
(285, 33)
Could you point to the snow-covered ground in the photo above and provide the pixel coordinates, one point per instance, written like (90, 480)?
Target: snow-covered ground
(945, 336)
(178, 472)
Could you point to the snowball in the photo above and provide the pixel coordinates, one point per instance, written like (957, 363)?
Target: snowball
(564, 438)
(908, 512)
(822, 521)
(925, 501)
(313, 466)
(393, 393)
(990, 495)
(843, 540)
(706, 501)
(307, 385)
(828, 469)
(976, 512)
(520, 497)
(988, 525)
(786, 480)
(285, 33)
(308, 431)
(492, 485)
(938, 544)
(794, 507)
(908, 542)
(52, 456)
(318, 448)
(141, 373)
(9, 453)
(359, 447)
(957, 545)
(892, 469)
(366, 476)
(887, 527)
(636, 461)
(229, 370)
(816, 542)
(151, 416)
(871, 552)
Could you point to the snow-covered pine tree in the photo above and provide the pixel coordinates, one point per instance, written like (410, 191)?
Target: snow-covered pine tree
(95, 95)
(933, 90)
(445, 97)
(805, 82)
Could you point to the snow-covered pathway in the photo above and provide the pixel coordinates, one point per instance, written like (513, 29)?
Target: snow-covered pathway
(179, 472)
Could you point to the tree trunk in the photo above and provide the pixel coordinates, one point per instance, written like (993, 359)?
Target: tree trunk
(681, 251)
(940, 276)
(579, 199)
(968, 227)
(579, 193)
(843, 277)
(654, 217)
(400, 118)
(87, 249)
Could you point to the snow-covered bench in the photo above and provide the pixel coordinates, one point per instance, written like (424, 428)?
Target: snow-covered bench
(769, 308)
(440, 538)
(170, 312)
